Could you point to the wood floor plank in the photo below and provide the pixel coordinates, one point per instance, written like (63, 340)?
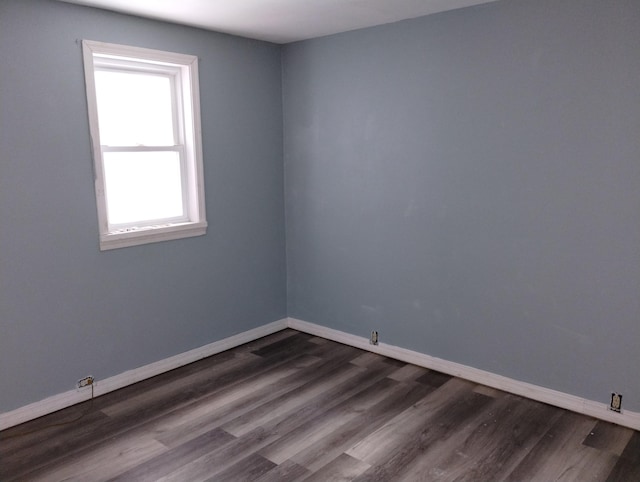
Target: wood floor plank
(212, 463)
(366, 359)
(627, 467)
(582, 464)
(328, 448)
(71, 439)
(215, 362)
(275, 428)
(330, 374)
(279, 408)
(80, 436)
(508, 431)
(102, 461)
(221, 406)
(292, 406)
(223, 379)
(341, 469)
(433, 378)
(608, 436)
(210, 412)
(488, 391)
(323, 402)
(428, 437)
(264, 341)
(548, 458)
(249, 468)
(148, 411)
(185, 388)
(172, 459)
(408, 373)
(327, 423)
(588, 464)
(287, 471)
(382, 442)
(201, 417)
(369, 359)
(228, 372)
(17, 442)
(298, 343)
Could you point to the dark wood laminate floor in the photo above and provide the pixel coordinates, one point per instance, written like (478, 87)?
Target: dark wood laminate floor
(295, 407)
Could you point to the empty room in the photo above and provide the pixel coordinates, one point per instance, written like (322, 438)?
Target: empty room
(320, 240)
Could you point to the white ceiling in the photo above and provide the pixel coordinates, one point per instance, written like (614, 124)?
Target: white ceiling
(280, 21)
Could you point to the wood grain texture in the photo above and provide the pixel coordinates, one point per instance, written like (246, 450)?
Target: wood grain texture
(628, 465)
(426, 441)
(326, 449)
(342, 468)
(175, 458)
(294, 407)
(609, 437)
(287, 471)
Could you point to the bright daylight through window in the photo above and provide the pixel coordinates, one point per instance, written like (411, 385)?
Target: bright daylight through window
(144, 117)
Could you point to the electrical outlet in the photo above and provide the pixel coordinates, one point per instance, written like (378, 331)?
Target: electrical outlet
(616, 402)
(374, 338)
(85, 382)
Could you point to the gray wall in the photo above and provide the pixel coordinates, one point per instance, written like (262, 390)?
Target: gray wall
(468, 183)
(68, 310)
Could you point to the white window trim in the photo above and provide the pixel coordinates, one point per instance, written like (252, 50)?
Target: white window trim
(196, 224)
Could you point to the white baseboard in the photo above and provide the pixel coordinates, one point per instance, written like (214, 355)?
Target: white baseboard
(552, 397)
(66, 399)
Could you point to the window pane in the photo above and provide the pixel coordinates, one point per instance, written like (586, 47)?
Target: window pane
(142, 186)
(134, 109)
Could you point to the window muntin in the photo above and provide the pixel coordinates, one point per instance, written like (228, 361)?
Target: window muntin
(145, 127)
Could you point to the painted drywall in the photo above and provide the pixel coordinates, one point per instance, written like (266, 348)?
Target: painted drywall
(468, 184)
(68, 310)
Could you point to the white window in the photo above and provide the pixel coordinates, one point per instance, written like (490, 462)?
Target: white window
(144, 117)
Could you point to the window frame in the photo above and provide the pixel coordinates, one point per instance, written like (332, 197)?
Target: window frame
(183, 73)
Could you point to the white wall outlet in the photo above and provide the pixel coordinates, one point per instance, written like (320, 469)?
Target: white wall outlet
(616, 402)
(85, 382)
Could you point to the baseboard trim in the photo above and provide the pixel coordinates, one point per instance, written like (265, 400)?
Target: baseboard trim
(66, 399)
(552, 397)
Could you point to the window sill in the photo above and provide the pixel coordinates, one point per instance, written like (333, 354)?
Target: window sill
(152, 234)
